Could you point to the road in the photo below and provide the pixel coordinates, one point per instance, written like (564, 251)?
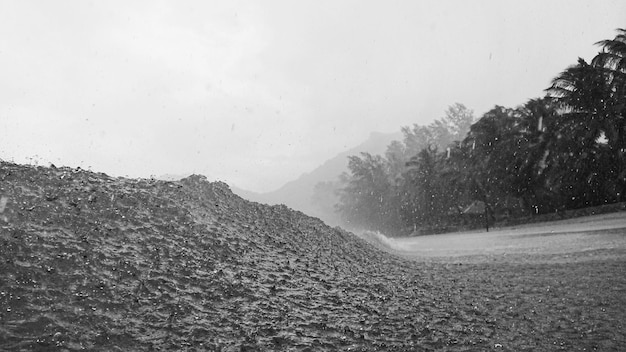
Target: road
(586, 238)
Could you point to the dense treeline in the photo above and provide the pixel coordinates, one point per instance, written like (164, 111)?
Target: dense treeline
(559, 152)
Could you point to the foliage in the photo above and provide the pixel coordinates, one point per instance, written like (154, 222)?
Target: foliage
(593, 125)
(430, 195)
(380, 192)
(563, 151)
(367, 198)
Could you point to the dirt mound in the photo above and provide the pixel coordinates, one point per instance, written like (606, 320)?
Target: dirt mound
(90, 262)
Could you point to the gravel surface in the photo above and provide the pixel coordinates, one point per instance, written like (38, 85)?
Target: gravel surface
(90, 262)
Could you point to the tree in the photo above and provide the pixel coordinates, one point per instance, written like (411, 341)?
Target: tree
(536, 146)
(440, 133)
(381, 193)
(396, 159)
(592, 99)
(458, 119)
(493, 143)
(611, 61)
(368, 198)
(422, 173)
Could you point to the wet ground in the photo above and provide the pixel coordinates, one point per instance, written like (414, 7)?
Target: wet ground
(596, 237)
(89, 262)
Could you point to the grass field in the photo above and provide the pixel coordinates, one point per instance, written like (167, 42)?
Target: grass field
(596, 237)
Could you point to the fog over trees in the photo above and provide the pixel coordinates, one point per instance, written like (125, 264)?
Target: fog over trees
(562, 151)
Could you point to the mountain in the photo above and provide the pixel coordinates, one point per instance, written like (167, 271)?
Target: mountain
(298, 194)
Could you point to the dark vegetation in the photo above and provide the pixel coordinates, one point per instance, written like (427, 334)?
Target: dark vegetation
(561, 152)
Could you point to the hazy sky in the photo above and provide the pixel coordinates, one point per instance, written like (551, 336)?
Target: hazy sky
(257, 92)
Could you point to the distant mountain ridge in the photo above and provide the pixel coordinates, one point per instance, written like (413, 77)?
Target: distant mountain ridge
(298, 193)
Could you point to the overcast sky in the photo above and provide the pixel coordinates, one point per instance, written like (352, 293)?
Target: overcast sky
(256, 93)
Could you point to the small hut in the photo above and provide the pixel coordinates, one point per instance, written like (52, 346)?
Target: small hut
(476, 211)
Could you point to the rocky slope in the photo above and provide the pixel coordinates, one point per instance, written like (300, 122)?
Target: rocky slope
(89, 262)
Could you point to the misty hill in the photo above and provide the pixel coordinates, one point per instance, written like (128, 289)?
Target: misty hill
(298, 193)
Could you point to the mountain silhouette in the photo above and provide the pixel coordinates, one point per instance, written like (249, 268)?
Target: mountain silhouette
(297, 194)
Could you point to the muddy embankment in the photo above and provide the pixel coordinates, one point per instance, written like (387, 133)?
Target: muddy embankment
(90, 262)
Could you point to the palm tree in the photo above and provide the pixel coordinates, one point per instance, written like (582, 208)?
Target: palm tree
(534, 146)
(612, 62)
(592, 99)
(493, 147)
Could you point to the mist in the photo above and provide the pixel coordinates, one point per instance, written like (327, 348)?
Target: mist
(258, 94)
